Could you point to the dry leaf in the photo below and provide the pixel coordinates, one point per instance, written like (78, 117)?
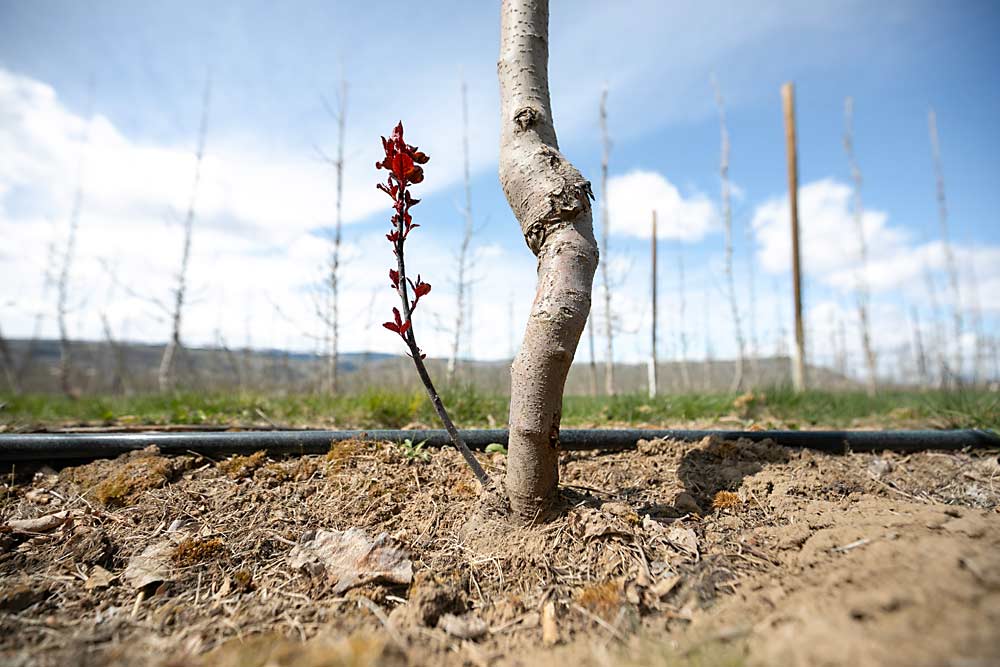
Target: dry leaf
(99, 578)
(350, 558)
(683, 538)
(152, 566)
(590, 523)
(42, 524)
(463, 627)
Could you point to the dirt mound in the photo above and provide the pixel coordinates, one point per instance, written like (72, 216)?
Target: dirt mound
(691, 554)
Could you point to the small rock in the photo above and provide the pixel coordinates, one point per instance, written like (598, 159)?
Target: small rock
(879, 467)
(550, 631)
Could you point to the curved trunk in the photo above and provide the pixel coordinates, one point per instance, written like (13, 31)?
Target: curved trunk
(551, 201)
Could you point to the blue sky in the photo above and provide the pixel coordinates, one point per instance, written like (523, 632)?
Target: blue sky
(267, 198)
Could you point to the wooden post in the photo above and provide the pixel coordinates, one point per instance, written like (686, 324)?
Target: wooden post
(799, 365)
(652, 349)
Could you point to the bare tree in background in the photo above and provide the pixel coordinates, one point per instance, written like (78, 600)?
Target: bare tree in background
(727, 219)
(979, 344)
(652, 343)
(609, 334)
(331, 317)
(63, 282)
(709, 348)
(682, 321)
(119, 374)
(462, 281)
(165, 375)
(862, 294)
(750, 237)
(918, 347)
(10, 374)
(116, 350)
(949, 255)
(592, 362)
(48, 282)
(551, 201)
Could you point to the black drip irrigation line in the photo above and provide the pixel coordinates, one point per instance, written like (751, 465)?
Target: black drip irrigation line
(87, 446)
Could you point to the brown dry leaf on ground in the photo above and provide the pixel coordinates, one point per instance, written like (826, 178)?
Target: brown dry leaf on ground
(152, 566)
(349, 558)
(827, 560)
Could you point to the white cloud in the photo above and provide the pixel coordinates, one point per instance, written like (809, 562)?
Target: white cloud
(633, 197)
(830, 250)
(253, 245)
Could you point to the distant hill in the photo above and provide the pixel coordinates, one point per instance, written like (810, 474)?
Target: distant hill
(99, 367)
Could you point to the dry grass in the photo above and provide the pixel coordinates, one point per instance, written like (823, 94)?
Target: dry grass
(612, 554)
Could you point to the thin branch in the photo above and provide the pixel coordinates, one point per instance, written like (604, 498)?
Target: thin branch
(727, 216)
(463, 254)
(65, 361)
(609, 359)
(949, 254)
(861, 279)
(167, 361)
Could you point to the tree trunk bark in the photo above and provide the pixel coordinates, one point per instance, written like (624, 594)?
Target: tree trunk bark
(551, 201)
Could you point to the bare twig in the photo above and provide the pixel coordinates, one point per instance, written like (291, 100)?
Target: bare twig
(609, 359)
(861, 280)
(165, 375)
(462, 281)
(727, 218)
(332, 320)
(63, 286)
(949, 255)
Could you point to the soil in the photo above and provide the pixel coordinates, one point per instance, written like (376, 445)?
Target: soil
(713, 553)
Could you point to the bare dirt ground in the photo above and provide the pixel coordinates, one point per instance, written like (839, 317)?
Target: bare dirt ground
(715, 553)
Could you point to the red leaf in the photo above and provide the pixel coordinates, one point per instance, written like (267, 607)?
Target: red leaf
(394, 277)
(420, 157)
(403, 329)
(399, 320)
(402, 166)
(391, 326)
(421, 289)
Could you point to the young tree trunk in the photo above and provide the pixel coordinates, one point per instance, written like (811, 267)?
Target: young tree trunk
(551, 201)
(463, 251)
(609, 322)
(862, 293)
(727, 218)
(165, 374)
